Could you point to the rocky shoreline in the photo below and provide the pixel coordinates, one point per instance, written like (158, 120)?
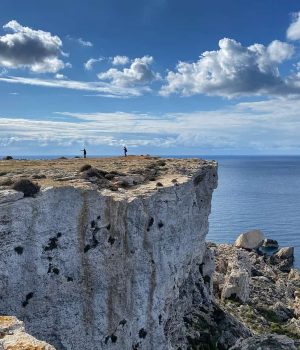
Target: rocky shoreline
(261, 291)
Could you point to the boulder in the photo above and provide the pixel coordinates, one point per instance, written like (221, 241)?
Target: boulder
(270, 243)
(265, 342)
(294, 275)
(285, 253)
(296, 308)
(282, 312)
(250, 240)
(236, 286)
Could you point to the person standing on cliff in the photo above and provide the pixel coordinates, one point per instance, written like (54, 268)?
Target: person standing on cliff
(84, 152)
(125, 151)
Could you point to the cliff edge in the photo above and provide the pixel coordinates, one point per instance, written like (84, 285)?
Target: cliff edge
(100, 257)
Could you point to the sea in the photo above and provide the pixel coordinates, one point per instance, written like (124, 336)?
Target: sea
(257, 192)
(254, 192)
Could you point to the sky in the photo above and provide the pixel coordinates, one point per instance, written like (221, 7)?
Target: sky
(166, 77)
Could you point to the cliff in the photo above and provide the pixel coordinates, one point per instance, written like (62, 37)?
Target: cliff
(109, 257)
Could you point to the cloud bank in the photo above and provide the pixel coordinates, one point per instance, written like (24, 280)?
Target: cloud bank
(103, 88)
(268, 127)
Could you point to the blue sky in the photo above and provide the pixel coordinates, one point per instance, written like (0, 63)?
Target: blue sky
(160, 76)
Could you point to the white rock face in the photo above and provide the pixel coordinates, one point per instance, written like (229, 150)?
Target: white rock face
(98, 270)
(10, 196)
(249, 240)
(237, 279)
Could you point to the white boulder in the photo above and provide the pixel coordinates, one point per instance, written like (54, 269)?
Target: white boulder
(249, 240)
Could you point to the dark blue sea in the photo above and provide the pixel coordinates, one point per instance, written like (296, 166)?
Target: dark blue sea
(255, 192)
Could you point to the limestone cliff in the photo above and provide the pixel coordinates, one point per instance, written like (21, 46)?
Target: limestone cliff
(88, 264)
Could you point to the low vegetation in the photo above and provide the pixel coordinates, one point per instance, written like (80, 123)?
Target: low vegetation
(27, 187)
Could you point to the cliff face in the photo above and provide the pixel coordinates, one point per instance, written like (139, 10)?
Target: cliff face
(98, 269)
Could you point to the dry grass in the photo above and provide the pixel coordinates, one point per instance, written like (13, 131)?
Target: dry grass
(60, 172)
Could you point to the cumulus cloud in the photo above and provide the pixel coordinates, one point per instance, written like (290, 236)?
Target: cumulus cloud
(293, 32)
(88, 65)
(36, 50)
(139, 73)
(120, 60)
(232, 70)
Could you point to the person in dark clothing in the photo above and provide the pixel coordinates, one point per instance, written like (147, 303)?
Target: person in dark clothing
(125, 151)
(84, 152)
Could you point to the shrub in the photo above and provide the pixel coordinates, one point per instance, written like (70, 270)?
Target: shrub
(96, 172)
(27, 187)
(85, 167)
(8, 158)
(161, 163)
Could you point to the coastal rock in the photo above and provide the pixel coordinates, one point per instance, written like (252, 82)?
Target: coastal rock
(14, 337)
(266, 342)
(249, 240)
(294, 274)
(236, 286)
(197, 322)
(99, 269)
(270, 243)
(282, 312)
(284, 259)
(272, 304)
(233, 272)
(285, 253)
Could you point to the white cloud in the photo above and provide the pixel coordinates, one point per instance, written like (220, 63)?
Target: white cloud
(293, 32)
(139, 73)
(60, 76)
(85, 43)
(232, 70)
(270, 126)
(120, 60)
(80, 41)
(36, 50)
(88, 65)
(102, 88)
(278, 51)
